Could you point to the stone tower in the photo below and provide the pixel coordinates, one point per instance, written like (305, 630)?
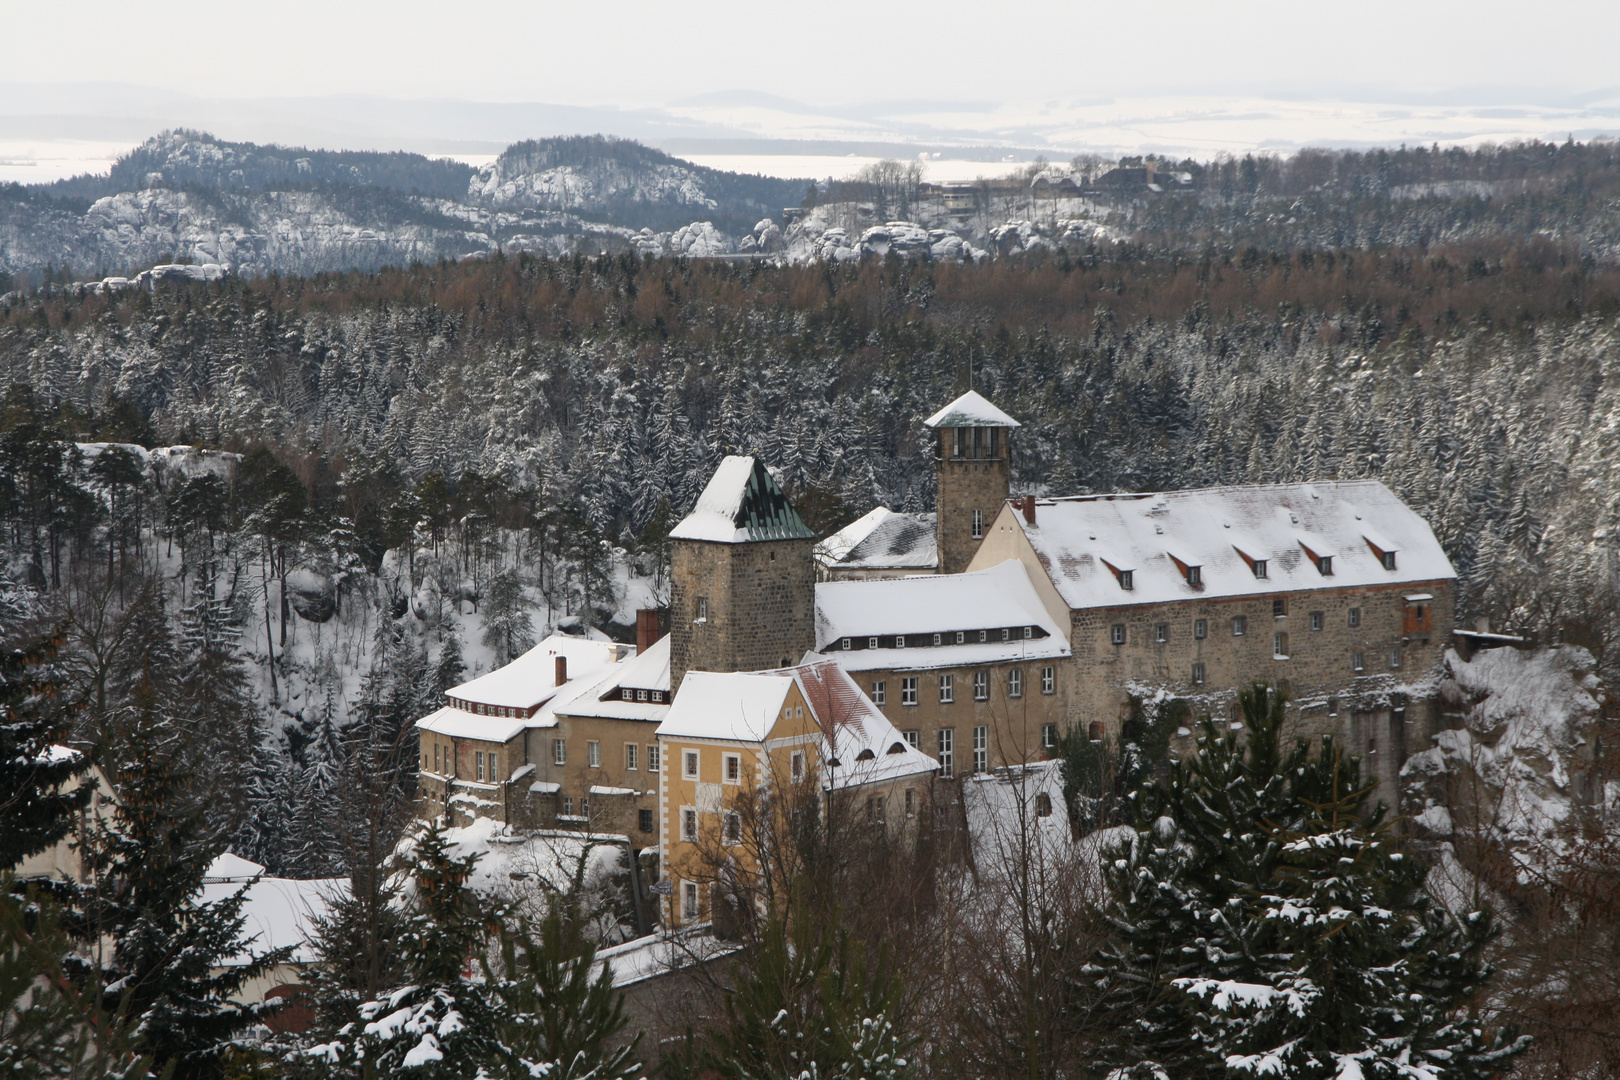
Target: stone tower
(743, 577)
(973, 443)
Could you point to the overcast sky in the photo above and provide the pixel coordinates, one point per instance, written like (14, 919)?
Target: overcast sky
(640, 53)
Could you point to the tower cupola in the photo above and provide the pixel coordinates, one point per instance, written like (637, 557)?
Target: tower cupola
(971, 451)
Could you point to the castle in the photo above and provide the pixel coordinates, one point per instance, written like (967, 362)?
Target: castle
(943, 652)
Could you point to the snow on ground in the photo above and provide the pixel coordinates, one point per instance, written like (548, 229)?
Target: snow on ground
(1016, 821)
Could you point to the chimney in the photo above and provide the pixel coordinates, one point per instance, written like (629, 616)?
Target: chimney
(562, 670)
(649, 628)
(1028, 506)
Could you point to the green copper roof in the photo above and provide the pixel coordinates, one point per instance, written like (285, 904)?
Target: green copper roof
(741, 504)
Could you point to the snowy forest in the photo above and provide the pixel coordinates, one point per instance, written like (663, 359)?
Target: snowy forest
(254, 528)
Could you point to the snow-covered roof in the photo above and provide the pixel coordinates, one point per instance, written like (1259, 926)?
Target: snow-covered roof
(1222, 531)
(917, 608)
(744, 707)
(228, 866)
(280, 911)
(661, 953)
(457, 723)
(532, 678)
(741, 503)
(882, 540)
(646, 671)
(726, 705)
(972, 409)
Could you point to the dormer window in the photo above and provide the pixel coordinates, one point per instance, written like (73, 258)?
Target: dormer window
(871, 643)
(1384, 553)
(844, 644)
(899, 641)
(961, 636)
(1324, 565)
(1388, 560)
(1126, 579)
(1260, 568)
(1029, 632)
(937, 638)
(1195, 576)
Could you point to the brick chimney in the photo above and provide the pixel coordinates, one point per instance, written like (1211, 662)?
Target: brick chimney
(1027, 505)
(562, 670)
(649, 627)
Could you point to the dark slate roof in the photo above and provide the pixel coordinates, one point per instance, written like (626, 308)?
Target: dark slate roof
(742, 503)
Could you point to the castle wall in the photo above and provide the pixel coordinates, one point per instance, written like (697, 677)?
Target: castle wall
(759, 611)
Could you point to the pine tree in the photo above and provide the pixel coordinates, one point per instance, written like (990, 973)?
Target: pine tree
(508, 630)
(147, 865)
(36, 803)
(443, 1023)
(448, 672)
(1267, 925)
(556, 1016)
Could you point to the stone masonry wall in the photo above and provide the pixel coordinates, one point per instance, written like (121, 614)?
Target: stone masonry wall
(965, 485)
(761, 605)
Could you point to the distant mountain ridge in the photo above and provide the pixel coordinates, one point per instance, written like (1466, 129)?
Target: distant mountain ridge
(261, 209)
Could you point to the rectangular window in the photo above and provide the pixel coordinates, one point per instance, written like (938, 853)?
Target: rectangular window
(911, 802)
(1200, 629)
(732, 768)
(912, 737)
(593, 754)
(689, 824)
(1395, 658)
(938, 638)
(1015, 683)
(961, 636)
(981, 749)
(899, 641)
(1048, 736)
(978, 524)
(796, 766)
(880, 692)
(874, 810)
(1195, 576)
(1127, 580)
(1358, 662)
(1198, 673)
(559, 751)
(482, 775)
(1117, 633)
(946, 755)
(436, 757)
(652, 757)
(1317, 620)
(1279, 606)
(1048, 680)
(1240, 625)
(1260, 568)
(689, 900)
(645, 820)
(1161, 632)
(1279, 646)
(568, 806)
(1355, 616)
(1029, 633)
(984, 635)
(702, 613)
(690, 768)
(1324, 566)
(630, 753)
(908, 690)
(844, 644)
(584, 808)
(1389, 560)
(871, 643)
(731, 827)
(947, 689)
(1006, 634)
(1333, 706)
(981, 686)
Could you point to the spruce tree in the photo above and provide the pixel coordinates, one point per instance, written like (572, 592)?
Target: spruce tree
(1268, 925)
(35, 768)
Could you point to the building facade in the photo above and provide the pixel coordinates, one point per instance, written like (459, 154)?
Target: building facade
(972, 451)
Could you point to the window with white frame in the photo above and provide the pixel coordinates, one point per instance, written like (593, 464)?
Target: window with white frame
(1279, 607)
(1048, 680)
(1279, 645)
(1260, 568)
(652, 757)
(1048, 736)
(1161, 632)
(1355, 617)
(479, 760)
(880, 692)
(1198, 673)
(961, 636)
(981, 749)
(899, 641)
(1318, 620)
(689, 767)
(1240, 625)
(1116, 633)
(731, 768)
(908, 690)
(1358, 662)
(593, 754)
(796, 766)
(938, 638)
(947, 689)
(568, 806)
(871, 643)
(1015, 683)
(844, 644)
(1388, 559)
(559, 751)
(946, 741)
(912, 737)
(702, 612)
(978, 524)
(981, 686)
(1200, 629)
(689, 900)
(1127, 580)
(584, 808)
(1006, 634)
(630, 754)
(1324, 565)
(984, 635)
(689, 828)
(1395, 657)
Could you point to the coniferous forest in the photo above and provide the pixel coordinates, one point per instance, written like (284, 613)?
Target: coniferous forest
(253, 529)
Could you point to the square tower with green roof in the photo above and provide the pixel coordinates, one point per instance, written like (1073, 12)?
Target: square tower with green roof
(743, 577)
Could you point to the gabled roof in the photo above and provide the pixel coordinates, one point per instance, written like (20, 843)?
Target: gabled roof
(741, 504)
(647, 671)
(726, 705)
(999, 596)
(972, 409)
(882, 540)
(532, 678)
(1221, 530)
(865, 745)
